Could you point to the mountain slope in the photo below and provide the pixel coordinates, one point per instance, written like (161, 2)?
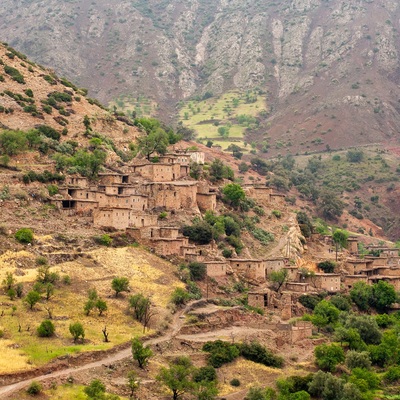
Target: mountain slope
(329, 68)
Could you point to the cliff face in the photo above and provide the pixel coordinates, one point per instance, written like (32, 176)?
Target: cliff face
(332, 63)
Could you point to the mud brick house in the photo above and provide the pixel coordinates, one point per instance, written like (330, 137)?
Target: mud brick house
(217, 269)
(160, 172)
(172, 195)
(248, 268)
(122, 218)
(384, 251)
(328, 282)
(275, 264)
(350, 280)
(355, 266)
(76, 181)
(352, 244)
(298, 287)
(289, 333)
(259, 193)
(269, 300)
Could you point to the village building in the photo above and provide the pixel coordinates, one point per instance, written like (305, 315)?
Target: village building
(275, 264)
(249, 269)
(216, 269)
(350, 280)
(328, 282)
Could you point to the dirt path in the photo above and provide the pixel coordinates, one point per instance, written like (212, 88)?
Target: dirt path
(176, 325)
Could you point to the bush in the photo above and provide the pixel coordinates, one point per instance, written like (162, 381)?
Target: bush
(235, 382)
(46, 329)
(179, 296)
(354, 359)
(309, 301)
(200, 233)
(76, 330)
(328, 356)
(24, 235)
(227, 253)
(220, 352)
(254, 351)
(208, 374)
(34, 388)
(198, 271)
(14, 73)
(343, 303)
(327, 266)
(392, 374)
(104, 240)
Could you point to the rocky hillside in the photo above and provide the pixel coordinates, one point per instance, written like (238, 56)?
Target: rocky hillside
(328, 68)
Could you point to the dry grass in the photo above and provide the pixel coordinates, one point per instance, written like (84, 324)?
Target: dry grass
(147, 274)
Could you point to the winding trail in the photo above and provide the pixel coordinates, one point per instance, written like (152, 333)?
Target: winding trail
(176, 326)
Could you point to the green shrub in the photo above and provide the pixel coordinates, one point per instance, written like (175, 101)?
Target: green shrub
(327, 266)
(392, 374)
(277, 213)
(24, 235)
(200, 233)
(235, 242)
(227, 253)
(53, 189)
(14, 73)
(235, 382)
(207, 374)
(163, 215)
(34, 388)
(104, 240)
(198, 271)
(254, 351)
(220, 352)
(179, 296)
(46, 329)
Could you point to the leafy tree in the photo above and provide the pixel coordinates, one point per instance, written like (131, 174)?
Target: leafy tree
(120, 284)
(305, 224)
(366, 326)
(354, 359)
(343, 303)
(195, 170)
(351, 392)
(141, 353)
(133, 382)
(177, 377)
(101, 306)
(46, 329)
(205, 390)
(243, 167)
(12, 142)
(326, 312)
(351, 337)
(330, 205)
(32, 298)
(233, 194)
(154, 142)
(278, 278)
(383, 295)
(328, 356)
(8, 281)
(198, 271)
(361, 295)
(76, 330)
(200, 232)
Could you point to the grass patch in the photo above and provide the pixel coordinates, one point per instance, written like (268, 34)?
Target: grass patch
(206, 116)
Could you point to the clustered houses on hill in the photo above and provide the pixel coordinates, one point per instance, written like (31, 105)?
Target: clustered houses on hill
(385, 265)
(134, 198)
